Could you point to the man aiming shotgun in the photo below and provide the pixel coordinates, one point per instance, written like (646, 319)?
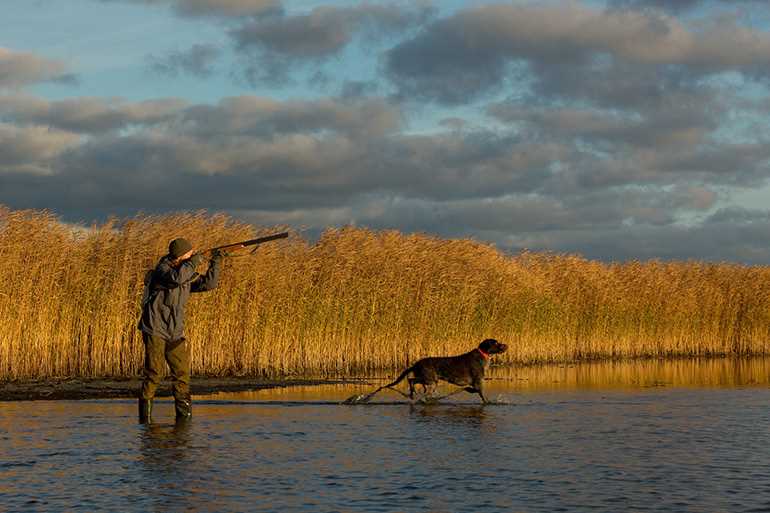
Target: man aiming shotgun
(167, 290)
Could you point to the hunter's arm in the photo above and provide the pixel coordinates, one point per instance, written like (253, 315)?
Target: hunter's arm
(209, 280)
(171, 277)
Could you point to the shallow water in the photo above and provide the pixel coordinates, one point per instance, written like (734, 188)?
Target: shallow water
(643, 436)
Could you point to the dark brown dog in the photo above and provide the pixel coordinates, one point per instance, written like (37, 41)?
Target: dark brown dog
(465, 370)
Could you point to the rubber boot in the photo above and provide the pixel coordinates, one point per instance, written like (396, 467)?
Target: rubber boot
(183, 407)
(145, 411)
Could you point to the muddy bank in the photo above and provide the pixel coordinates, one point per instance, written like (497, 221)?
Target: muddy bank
(99, 388)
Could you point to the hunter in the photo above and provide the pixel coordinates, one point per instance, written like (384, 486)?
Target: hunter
(167, 289)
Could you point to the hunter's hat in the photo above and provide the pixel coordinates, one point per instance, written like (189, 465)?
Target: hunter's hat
(179, 247)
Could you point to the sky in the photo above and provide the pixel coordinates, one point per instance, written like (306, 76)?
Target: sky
(614, 129)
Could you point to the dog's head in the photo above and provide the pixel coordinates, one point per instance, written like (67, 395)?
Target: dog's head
(492, 346)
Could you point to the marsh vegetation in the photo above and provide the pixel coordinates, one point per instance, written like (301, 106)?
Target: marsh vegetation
(354, 301)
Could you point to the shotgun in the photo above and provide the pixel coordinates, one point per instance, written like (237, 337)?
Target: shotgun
(147, 293)
(245, 243)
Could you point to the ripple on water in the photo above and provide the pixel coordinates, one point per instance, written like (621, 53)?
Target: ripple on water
(576, 449)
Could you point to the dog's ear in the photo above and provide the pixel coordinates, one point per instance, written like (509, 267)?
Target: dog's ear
(487, 344)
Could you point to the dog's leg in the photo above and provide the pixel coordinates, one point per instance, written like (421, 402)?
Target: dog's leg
(477, 388)
(451, 394)
(480, 390)
(411, 387)
(399, 391)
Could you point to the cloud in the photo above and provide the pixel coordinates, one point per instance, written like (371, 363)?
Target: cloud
(687, 123)
(473, 52)
(337, 160)
(25, 150)
(620, 133)
(676, 6)
(198, 61)
(679, 139)
(728, 165)
(283, 170)
(263, 117)
(214, 8)
(247, 151)
(735, 241)
(239, 116)
(486, 185)
(18, 69)
(237, 153)
(275, 44)
(86, 115)
(517, 223)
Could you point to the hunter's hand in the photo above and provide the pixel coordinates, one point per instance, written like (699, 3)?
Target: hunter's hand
(217, 255)
(196, 259)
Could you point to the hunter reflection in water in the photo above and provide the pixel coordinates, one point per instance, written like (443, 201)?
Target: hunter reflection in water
(165, 447)
(165, 453)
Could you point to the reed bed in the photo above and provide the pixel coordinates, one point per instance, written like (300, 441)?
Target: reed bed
(354, 302)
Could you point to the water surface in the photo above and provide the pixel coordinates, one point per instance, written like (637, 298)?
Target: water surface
(644, 436)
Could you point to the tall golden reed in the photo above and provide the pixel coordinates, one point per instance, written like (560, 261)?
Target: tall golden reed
(354, 302)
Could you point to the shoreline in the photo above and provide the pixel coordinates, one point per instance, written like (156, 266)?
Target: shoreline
(55, 389)
(544, 373)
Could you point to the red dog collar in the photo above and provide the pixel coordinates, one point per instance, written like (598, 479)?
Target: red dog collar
(485, 355)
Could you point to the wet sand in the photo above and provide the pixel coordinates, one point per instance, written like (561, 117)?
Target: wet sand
(100, 388)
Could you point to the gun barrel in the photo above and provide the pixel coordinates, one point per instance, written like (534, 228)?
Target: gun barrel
(252, 242)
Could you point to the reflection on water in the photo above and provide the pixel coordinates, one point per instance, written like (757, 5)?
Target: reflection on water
(701, 443)
(644, 373)
(634, 374)
(165, 451)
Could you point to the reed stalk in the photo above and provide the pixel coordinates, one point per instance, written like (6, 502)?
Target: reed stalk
(354, 302)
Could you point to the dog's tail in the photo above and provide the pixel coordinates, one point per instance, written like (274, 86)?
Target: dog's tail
(364, 398)
(399, 379)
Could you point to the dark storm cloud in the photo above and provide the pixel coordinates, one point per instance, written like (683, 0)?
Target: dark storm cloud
(471, 53)
(337, 161)
(736, 165)
(18, 69)
(714, 241)
(458, 165)
(291, 169)
(607, 228)
(197, 61)
(248, 151)
(494, 187)
(597, 231)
